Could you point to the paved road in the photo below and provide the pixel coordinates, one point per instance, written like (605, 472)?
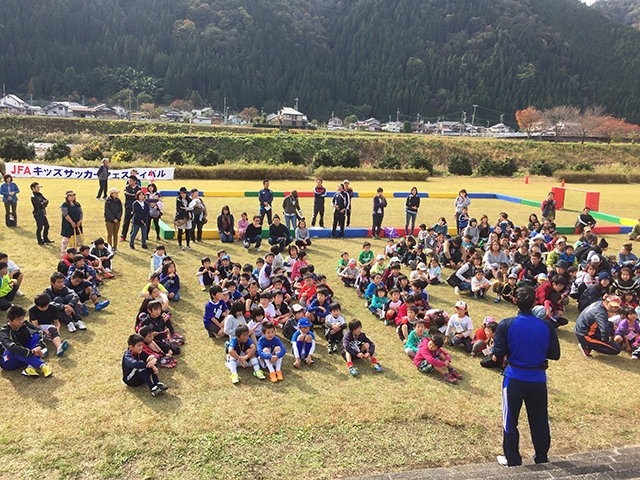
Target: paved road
(617, 464)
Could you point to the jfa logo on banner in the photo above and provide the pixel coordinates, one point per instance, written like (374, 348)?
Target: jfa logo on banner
(32, 170)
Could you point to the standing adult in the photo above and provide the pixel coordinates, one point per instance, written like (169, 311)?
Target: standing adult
(103, 179)
(140, 220)
(199, 214)
(291, 207)
(9, 191)
(319, 192)
(548, 207)
(112, 217)
(225, 225)
(156, 208)
(71, 220)
(350, 193)
(265, 197)
(593, 328)
(40, 214)
(411, 206)
(379, 204)
(130, 192)
(182, 219)
(340, 203)
(461, 201)
(526, 342)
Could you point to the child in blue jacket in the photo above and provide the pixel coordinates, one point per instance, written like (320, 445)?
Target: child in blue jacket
(318, 309)
(171, 281)
(139, 367)
(271, 350)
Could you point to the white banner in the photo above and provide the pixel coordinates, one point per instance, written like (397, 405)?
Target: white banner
(33, 170)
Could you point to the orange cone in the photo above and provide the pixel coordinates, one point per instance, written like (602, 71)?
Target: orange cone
(526, 180)
(562, 183)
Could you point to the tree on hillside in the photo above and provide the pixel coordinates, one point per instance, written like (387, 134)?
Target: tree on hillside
(558, 117)
(182, 105)
(616, 128)
(528, 119)
(350, 119)
(247, 113)
(589, 120)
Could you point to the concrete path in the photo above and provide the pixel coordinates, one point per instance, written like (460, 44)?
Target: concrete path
(617, 464)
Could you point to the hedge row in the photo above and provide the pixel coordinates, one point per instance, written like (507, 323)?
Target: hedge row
(364, 174)
(597, 177)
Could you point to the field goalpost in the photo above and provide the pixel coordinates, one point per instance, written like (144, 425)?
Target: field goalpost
(589, 198)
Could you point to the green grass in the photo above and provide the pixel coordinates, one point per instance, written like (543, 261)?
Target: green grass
(319, 422)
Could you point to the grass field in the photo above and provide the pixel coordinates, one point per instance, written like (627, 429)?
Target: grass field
(319, 423)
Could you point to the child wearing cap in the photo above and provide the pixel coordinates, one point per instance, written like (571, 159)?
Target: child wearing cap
(303, 343)
(508, 290)
(481, 337)
(349, 274)
(378, 266)
(242, 353)
(356, 344)
(335, 325)
(431, 356)
(460, 327)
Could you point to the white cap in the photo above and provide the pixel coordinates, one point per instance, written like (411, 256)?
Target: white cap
(460, 304)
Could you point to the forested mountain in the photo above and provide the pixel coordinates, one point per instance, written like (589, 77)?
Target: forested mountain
(626, 12)
(368, 57)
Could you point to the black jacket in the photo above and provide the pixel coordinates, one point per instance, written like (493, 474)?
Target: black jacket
(112, 209)
(39, 204)
(14, 341)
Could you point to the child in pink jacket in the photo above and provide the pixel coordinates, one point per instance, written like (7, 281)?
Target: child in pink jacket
(431, 356)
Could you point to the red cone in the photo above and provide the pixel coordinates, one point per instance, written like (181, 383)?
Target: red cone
(562, 183)
(526, 180)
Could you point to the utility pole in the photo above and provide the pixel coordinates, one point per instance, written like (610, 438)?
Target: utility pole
(296, 103)
(398, 115)
(463, 121)
(502, 118)
(83, 100)
(473, 117)
(418, 119)
(224, 110)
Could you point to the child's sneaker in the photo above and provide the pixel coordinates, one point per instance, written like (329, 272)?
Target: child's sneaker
(80, 324)
(203, 288)
(45, 352)
(235, 378)
(62, 348)
(162, 386)
(259, 374)
(30, 372)
(71, 327)
(85, 310)
(108, 275)
(585, 352)
(102, 305)
(19, 293)
(335, 347)
(353, 370)
(449, 378)
(279, 375)
(156, 390)
(330, 349)
(497, 300)
(376, 367)
(455, 374)
(46, 370)
(273, 377)
(456, 290)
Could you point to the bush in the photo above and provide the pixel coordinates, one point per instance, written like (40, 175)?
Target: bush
(240, 171)
(57, 151)
(323, 158)
(91, 153)
(597, 177)
(406, 127)
(583, 166)
(292, 156)
(541, 167)
(210, 158)
(486, 168)
(459, 164)
(13, 149)
(389, 162)
(369, 174)
(507, 167)
(348, 158)
(420, 162)
(174, 157)
(125, 156)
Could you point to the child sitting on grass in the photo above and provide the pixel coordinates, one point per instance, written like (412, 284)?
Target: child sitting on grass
(152, 316)
(431, 356)
(416, 336)
(45, 316)
(171, 281)
(319, 308)
(479, 285)
(362, 281)
(372, 288)
(626, 334)
(271, 350)
(234, 319)
(434, 273)
(165, 360)
(406, 324)
(459, 329)
(157, 257)
(207, 275)
(356, 344)
(66, 301)
(242, 353)
(349, 273)
(343, 262)
(215, 311)
(23, 345)
(366, 257)
(377, 303)
(391, 306)
(481, 337)
(303, 343)
(139, 367)
(335, 325)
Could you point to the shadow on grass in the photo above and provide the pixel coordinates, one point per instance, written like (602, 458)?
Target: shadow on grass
(36, 389)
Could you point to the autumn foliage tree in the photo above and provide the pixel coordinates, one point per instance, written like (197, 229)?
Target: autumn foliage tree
(617, 128)
(558, 117)
(589, 120)
(247, 113)
(528, 119)
(182, 105)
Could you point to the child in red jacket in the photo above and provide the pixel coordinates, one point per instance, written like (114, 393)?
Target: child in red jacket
(431, 354)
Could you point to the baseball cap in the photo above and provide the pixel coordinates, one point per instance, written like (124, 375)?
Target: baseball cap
(394, 260)
(422, 266)
(460, 304)
(352, 261)
(304, 322)
(541, 276)
(563, 264)
(226, 257)
(587, 229)
(380, 257)
(539, 236)
(488, 320)
(513, 275)
(297, 308)
(614, 300)
(594, 259)
(346, 181)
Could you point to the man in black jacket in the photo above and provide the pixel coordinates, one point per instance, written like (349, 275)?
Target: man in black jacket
(340, 204)
(40, 214)
(130, 192)
(279, 234)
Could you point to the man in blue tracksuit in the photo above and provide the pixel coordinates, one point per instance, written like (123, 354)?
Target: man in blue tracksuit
(265, 197)
(527, 342)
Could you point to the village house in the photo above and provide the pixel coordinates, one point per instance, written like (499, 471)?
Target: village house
(289, 117)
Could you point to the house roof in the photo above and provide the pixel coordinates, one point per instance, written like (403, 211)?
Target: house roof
(13, 98)
(290, 111)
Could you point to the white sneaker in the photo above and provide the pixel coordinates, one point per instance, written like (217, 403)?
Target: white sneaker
(502, 460)
(107, 270)
(19, 293)
(456, 290)
(71, 327)
(80, 324)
